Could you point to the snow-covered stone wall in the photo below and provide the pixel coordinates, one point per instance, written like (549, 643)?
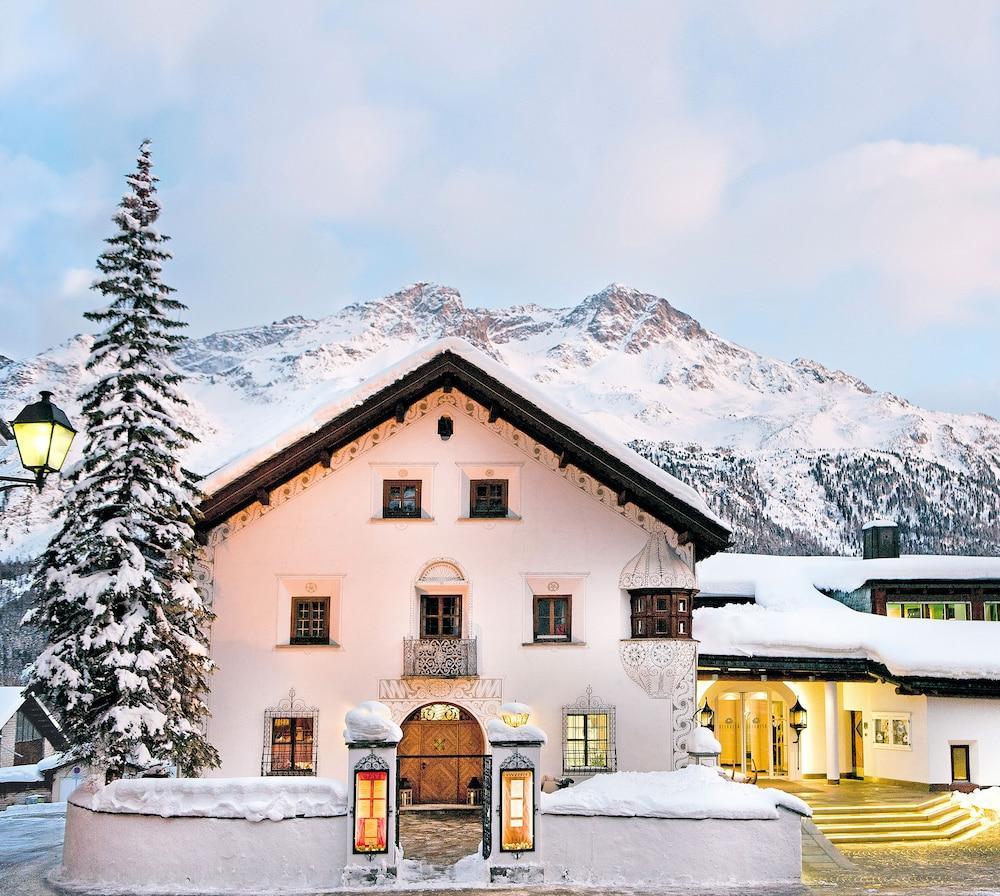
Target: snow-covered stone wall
(126, 853)
(672, 851)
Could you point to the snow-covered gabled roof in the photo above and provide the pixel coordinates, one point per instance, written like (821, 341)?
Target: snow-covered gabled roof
(793, 617)
(10, 702)
(234, 485)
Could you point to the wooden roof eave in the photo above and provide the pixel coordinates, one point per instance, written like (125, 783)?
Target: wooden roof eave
(449, 368)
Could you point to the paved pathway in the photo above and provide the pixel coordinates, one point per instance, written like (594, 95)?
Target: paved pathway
(440, 837)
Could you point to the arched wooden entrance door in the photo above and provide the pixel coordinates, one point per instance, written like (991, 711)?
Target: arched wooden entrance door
(441, 754)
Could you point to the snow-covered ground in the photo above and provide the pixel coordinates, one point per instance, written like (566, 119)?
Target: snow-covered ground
(30, 847)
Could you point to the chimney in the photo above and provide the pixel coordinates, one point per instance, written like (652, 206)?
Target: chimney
(880, 539)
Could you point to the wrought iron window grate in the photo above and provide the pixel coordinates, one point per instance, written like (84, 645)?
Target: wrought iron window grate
(291, 738)
(588, 733)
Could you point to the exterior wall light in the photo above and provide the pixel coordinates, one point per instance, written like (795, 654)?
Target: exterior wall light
(371, 809)
(43, 435)
(446, 428)
(706, 717)
(517, 805)
(515, 714)
(798, 719)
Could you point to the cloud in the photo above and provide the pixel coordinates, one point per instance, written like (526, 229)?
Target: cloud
(75, 282)
(922, 220)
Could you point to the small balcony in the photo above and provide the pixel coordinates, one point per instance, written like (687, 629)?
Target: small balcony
(439, 657)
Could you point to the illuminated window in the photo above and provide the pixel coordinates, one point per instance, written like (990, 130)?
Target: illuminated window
(589, 736)
(290, 738)
(892, 730)
(929, 610)
(371, 805)
(991, 611)
(517, 805)
(292, 741)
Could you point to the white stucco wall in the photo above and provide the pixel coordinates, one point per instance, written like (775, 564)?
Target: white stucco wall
(963, 721)
(563, 536)
(883, 761)
(148, 854)
(671, 851)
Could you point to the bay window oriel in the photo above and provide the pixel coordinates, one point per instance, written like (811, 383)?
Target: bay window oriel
(661, 614)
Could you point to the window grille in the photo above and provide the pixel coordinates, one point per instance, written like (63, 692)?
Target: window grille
(310, 620)
(488, 498)
(589, 736)
(291, 738)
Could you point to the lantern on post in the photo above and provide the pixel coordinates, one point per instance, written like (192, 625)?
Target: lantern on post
(371, 806)
(43, 435)
(706, 716)
(798, 719)
(517, 805)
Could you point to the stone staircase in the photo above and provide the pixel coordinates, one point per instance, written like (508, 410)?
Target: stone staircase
(935, 819)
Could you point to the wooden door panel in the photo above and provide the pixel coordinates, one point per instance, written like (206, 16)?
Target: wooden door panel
(439, 781)
(470, 739)
(410, 744)
(439, 738)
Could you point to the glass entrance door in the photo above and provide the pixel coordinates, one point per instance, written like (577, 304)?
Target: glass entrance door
(752, 727)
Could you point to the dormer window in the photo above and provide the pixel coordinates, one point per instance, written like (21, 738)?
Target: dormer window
(401, 498)
(488, 498)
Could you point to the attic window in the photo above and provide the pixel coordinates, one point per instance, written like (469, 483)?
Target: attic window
(401, 498)
(488, 498)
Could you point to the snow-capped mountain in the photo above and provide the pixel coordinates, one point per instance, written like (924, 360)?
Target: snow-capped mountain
(798, 456)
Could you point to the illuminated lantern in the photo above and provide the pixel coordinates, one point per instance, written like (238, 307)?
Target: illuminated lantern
(515, 714)
(371, 806)
(706, 717)
(798, 718)
(517, 805)
(43, 435)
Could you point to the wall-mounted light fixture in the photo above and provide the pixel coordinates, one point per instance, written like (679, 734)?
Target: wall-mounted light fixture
(446, 428)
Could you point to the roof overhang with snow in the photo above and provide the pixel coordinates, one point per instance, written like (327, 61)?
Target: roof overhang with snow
(454, 364)
(806, 668)
(14, 699)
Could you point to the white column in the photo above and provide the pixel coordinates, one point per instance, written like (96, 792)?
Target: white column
(832, 734)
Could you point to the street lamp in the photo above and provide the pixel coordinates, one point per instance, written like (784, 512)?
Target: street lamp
(43, 435)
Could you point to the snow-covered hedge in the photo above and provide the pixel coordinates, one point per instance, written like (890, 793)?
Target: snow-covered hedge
(693, 792)
(253, 799)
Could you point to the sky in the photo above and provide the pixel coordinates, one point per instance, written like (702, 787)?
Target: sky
(814, 180)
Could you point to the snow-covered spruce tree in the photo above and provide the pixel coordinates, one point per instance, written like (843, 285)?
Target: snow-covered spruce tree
(126, 661)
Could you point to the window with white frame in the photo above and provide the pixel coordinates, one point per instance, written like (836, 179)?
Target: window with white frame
(554, 609)
(308, 611)
(892, 730)
(402, 492)
(490, 491)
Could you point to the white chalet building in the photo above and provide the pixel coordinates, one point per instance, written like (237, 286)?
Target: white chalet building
(444, 538)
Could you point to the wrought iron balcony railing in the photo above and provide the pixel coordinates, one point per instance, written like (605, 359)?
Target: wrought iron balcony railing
(439, 657)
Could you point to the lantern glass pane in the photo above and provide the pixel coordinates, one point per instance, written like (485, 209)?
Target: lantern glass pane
(62, 438)
(33, 441)
(517, 810)
(371, 811)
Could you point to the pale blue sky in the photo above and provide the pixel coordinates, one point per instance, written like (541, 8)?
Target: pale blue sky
(818, 180)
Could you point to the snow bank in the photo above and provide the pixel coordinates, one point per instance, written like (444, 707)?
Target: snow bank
(533, 392)
(371, 721)
(498, 731)
(692, 792)
(253, 799)
(987, 800)
(792, 617)
(31, 810)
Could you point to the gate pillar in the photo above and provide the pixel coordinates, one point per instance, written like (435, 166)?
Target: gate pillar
(514, 824)
(372, 739)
